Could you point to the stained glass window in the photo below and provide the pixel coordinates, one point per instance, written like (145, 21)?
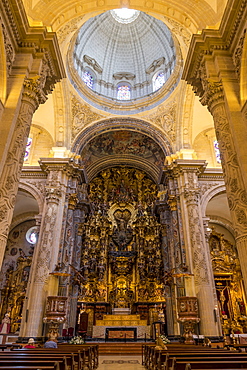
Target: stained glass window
(28, 148)
(217, 151)
(88, 79)
(123, 92)
(159, 81)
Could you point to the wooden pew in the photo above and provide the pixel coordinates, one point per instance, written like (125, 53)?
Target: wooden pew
(82, 355)
(206, 364)
(162, 359)
(32, 363)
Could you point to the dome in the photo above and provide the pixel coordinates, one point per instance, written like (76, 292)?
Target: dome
(122, 60)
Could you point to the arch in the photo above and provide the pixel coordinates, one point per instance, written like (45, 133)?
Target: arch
(158, 79)
(200, 14)
(209, 194)
(224, 223)
(114, 124)
(89, 78)
(35, 192)
(3, 69)
(124, 91)
(136, 126)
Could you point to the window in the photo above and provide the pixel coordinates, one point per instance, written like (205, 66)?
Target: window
(32, 235)
(217, 151)
(88, 79)
(158, 81)
(123, 92)
(28, 148)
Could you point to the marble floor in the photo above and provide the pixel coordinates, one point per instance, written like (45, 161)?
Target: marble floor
(120, 363)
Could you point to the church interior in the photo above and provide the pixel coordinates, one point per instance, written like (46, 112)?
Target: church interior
(123, 186)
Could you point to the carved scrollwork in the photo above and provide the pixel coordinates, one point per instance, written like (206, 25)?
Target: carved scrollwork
(81, 115)
(93, 63)
(53, 194)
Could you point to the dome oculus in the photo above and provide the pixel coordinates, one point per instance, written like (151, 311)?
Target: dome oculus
(125, 15)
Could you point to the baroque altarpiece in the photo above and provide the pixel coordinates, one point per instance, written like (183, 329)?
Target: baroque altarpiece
(128, 253)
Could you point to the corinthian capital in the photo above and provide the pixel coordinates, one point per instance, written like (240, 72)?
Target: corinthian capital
(213, 93)
(33, 91)
(53, 195)
(192, 196)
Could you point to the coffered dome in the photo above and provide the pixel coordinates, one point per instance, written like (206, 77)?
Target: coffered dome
(120, 62)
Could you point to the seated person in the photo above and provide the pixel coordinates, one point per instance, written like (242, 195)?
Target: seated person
(51, 343)
(30, 343)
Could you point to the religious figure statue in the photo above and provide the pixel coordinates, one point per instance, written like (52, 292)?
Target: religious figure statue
(5, 325)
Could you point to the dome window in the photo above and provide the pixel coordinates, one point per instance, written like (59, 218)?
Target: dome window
(123, 92)
(158, 81)
(88, 78)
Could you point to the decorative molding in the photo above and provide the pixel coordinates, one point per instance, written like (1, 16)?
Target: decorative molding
(165, 117)
(68, 28)
(124, 75)
(237, 56)
(155, 65)
(179, 30)
(82, 115)
(93, 63)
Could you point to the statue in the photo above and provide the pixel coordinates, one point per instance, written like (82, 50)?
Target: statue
(5, 325)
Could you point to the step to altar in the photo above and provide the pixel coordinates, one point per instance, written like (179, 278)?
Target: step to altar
(121, 349)
(121, 320)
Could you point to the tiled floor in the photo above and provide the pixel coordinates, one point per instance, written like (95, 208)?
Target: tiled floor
(120, 363)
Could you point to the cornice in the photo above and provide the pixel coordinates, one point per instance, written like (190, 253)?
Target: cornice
(33, 172)
(32, 39)
(212, 174)
(211, 40)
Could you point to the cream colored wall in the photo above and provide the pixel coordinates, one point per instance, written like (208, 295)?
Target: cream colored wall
(204, 148)
(44, 116)
(42, 144)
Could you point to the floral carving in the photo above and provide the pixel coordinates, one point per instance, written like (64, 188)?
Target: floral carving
(166, 118)
(70, 27)
(81, 115)
(178, 29)
(9, 50)
(238, 54)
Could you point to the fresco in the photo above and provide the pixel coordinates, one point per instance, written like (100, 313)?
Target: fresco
(123, 142)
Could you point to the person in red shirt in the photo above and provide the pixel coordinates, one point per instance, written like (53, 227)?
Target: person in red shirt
(30, 343)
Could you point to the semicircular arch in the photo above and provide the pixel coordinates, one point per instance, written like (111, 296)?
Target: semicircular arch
(116, 124)
(209, 194)
(192, 15)
(35, 192)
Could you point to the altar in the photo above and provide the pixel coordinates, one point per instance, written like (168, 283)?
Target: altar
(121, 326)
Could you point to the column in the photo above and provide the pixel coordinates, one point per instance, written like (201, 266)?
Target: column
(32, 96)
(213, 69)
(197, 253)
(50, 243)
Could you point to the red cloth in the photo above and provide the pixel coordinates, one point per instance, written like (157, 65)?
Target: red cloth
(29, 346)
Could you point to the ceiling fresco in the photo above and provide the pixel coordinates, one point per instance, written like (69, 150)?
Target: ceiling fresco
(123, 143)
